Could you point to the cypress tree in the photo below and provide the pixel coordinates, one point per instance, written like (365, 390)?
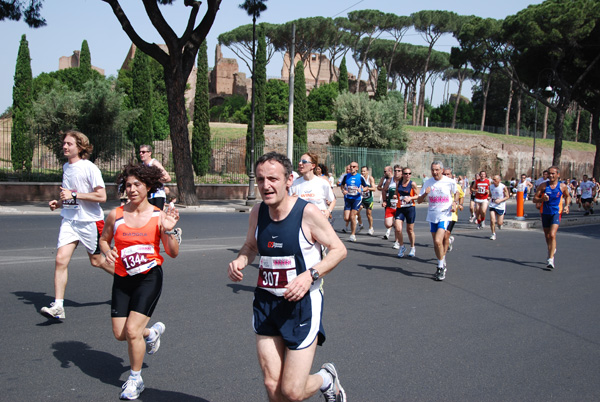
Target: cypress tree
(343, 81)
(141, 132)
(260, 98)
(85, 62)
(201, 150)
(21, 140)
(300, 105)
(381, 90)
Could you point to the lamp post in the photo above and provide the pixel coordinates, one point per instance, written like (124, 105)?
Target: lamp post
(547, 91)
(250, 200)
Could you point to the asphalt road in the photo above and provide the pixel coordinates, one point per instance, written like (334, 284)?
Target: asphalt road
(499, 328)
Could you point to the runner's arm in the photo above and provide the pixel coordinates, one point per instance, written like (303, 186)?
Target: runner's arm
(540, 193)
(98, 195)
(107, 237)
(249, 249)
(567, 197)
(168, 221)
(166, 178)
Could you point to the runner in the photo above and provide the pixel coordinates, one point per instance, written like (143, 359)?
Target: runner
(525, 186)
(288, 233)
(81, 192)
(312, 188)
(540, 180)
(159, 197)
(555, 198)
(406, 194)
(138, 228)
(339, 184)
(481, 188)
(442, 194)
(448, 238)
(588, 193)
(391, 203)
(352, 186)
(367, 199)
(472, 215)
(499, 194)
(384, 182)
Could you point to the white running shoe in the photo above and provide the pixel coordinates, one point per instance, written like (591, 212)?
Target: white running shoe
(396, 245)
(152, 346)
(402, 251)
(413, 252)
(550, 263)
(53, 312)
(493, 236)
(471, 219)
(132, 388)
(479, 226)
(359, 228)
(482, 224)
(329, 394)
(352, 238)
(371, 232)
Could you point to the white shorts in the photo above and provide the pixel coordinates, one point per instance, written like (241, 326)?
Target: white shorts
(87, 233)
(477, 200)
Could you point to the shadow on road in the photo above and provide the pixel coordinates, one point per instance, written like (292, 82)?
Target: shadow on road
(531, 264)
(240, 288)
(400, 270)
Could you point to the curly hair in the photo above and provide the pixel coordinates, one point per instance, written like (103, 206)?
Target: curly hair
(149, 175)
(82, 142)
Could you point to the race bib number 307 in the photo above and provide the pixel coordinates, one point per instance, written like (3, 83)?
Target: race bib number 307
(276, 272)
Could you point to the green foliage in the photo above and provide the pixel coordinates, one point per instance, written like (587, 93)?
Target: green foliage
(321, 101)
(343, 81)
(201, 150)
(362, 122)
(300, 105)
(381, 91)
(466, 114)
(228, 111)
(21, 140)
(277, 102)
(70, 78)
(85, 62)
(141, 131)
(97, 111)
(260, 82)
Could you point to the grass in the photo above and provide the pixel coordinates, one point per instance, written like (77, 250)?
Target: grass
(231, 131)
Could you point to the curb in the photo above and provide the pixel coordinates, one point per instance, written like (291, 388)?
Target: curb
(565, 221)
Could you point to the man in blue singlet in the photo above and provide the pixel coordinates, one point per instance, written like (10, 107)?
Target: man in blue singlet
(288, 233)
(555, 199)
(352, 186)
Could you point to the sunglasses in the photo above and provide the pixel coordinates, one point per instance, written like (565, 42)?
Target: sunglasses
(397, 170)
(409, 173)
(144, 152)
(304, 161)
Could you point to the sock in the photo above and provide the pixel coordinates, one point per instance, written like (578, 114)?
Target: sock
(440, 264)
(59, 302)
(152, 336)
(135, 374)
(327, 380)
(387, 232)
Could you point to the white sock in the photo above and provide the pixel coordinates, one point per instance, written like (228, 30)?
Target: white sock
(59, 302)
(327, 380)
(387, 232)
(135, 374)
(441, 263)
(152, 336)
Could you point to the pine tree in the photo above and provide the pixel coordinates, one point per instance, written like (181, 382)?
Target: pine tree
(260, 99)
(300, 105)
(21, 140)
(201, 150)
(85, 62)
(343, 81)
(141, 132)
(381, 90)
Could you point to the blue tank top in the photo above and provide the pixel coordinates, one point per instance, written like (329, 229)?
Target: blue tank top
(405, 191)
(353, 183)
(282, 247)
(554, 204)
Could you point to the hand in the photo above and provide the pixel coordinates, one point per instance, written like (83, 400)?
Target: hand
(298, 287)
(112, 255)
(53, 205)
(171, 217)
(234, 272)
(428, 190)
(65, 194)
(545, 197)
(566, 209)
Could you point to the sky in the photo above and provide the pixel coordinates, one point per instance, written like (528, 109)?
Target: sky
(69, 22)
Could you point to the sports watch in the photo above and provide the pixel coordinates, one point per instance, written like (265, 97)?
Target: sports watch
(74, 195)
(314, 274)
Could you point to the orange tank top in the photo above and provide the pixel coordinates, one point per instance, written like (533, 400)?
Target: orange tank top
(138, 248)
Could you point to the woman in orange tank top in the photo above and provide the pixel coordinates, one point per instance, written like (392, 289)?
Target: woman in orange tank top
(137, 229)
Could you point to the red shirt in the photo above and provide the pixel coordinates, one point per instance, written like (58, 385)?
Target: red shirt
(482, 188)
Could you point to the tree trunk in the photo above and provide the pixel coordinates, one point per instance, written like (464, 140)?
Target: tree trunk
(485, 98)
(508, 105)
(460, 82)
(545, 134)
(413, 96)
(421, 108)
(558, 136)
(595, 129)
(178, 121)
(519, 103)
(577, 123)
(591, 130)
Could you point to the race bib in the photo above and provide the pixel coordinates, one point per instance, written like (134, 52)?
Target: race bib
(393, 203)
(70, 204)
(352, 190)
(481, 190)
(275, 273)
(135, 258)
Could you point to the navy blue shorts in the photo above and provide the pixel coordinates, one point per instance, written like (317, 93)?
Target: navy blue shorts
(498, 212)
(138, 293)
(406, 213)
(298, 323)
(550, 219)
(352, 204)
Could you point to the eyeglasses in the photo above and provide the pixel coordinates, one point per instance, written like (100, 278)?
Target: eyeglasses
(408, 174)
(354, 166)
(397, 170)
(144, 152)
(304, 161)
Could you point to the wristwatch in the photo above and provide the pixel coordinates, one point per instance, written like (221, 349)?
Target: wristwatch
(74, 195)
(314, 274)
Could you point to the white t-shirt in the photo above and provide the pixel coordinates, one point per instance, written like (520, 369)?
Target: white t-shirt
(540, 181)
(160, 192)
(440, 198)
(315, 191)
(586, 188)
(83, 177)
(497, 193)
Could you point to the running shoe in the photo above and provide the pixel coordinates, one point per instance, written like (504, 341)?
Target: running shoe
(440, 275)
(152, 346)
(479, 226)
(359, 228)
(402, 251)
(330, 393)
(177, 232)
(471, 219)
(352, 238)
(586, 213)
(493, 236)
(132, 388)
(396, 245)
(451, 240)
(482, 224)
(385, 236)
(371, 232)
(345, 230)
(550, 263)
(53, 312)
(413, 252)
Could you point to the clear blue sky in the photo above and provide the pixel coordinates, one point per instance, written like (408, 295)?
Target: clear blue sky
(72, 21)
